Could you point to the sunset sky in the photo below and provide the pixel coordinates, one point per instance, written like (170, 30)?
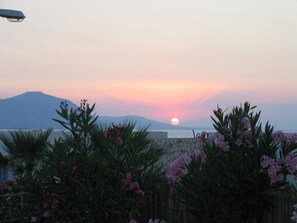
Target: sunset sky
(155, 58)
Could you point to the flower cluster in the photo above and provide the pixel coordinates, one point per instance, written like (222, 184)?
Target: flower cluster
(201, 139)
(132, 185)
(116, 134)
(178, 168)
(244, 139)
(199, 154)
(52, 205)
(281, 139)
(276, 168)
(220, 141)
(290, 163)
(273, 168)
(291, 137)
(216, 138)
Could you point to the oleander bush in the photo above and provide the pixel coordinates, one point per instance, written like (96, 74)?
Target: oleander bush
(237, 171)
(93, 174)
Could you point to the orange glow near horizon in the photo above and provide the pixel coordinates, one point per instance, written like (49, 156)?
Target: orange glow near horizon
(169, 92)
(154, 99)
(159, 100)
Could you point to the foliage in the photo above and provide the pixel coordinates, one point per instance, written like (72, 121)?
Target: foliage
(237, 171)
(3, 161)
(79, 122)
(92, 174)
(8, 202)
(25, 149)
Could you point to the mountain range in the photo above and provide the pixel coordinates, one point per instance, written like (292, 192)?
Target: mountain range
(36, 110)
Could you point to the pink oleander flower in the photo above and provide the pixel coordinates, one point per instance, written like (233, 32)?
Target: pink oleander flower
(220, 142)
(46, 214)
(244, 139)
(132, 186)
(199, 154)
(201, 139)
(3, 186)
(279, 137)
(132, 221)
(114, 132)
(177, 169)
(267, 161)
(139, 192)
(274, 173)
(119, 141)
(290, 162)
(127, 180)
(273, 169)
(292, 137)
(55, 204)
(129, 176)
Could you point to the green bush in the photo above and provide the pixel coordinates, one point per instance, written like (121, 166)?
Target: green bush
(92, 174)
(25, 149)
(237, 171)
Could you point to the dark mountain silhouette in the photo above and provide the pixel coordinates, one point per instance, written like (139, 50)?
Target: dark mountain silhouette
(31, 110)
(35, 110)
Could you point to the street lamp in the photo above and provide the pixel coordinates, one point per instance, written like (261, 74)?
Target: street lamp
(12, 15)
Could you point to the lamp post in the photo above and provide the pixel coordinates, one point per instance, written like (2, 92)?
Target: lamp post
(12, 15)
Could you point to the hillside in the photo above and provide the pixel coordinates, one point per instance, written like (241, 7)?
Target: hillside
(31, 110)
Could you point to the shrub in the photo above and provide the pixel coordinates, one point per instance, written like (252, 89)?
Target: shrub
(92, 174)
(237, 171)
(25, 149)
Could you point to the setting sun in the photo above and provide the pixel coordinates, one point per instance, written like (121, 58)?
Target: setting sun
(174, 121)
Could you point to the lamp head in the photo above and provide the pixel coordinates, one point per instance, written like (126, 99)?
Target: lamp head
(12, 15)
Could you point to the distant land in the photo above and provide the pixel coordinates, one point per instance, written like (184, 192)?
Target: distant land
(35, 110)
